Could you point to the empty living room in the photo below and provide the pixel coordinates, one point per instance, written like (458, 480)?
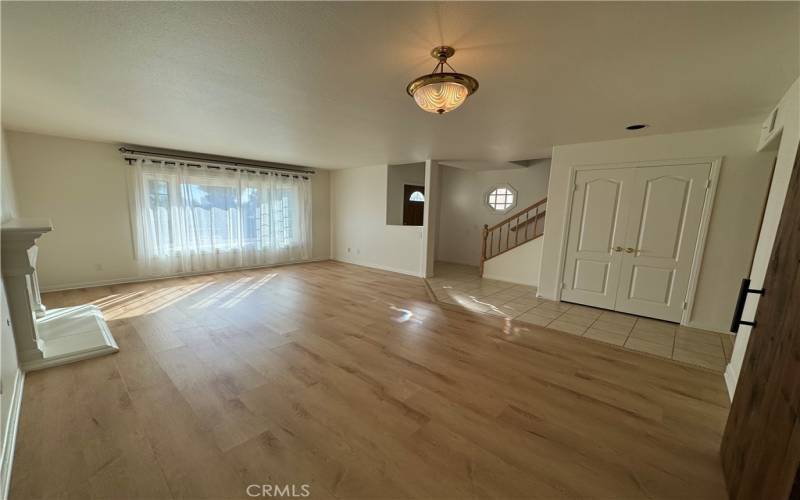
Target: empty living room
(400, 250)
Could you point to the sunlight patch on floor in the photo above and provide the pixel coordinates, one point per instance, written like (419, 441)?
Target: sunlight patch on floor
(462, 286)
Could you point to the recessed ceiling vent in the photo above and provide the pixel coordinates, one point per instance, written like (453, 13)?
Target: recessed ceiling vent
(636, 126)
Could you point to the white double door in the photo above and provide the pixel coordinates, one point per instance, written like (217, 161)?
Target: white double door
(632, 238)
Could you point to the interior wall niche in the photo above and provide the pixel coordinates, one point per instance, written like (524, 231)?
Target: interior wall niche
(405, 194)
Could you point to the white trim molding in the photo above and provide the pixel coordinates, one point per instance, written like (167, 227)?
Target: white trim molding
(416, 274)
(11, 425)
(731, 377)
(702, 236)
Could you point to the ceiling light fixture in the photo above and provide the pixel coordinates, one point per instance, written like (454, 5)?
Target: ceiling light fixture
(440, 92)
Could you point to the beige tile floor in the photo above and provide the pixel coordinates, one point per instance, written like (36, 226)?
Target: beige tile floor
(460, 285)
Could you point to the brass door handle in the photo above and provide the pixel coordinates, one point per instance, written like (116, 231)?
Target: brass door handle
(617, 249)
(630, 250)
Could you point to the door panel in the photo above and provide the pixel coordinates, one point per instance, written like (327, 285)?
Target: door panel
(597, 224)
(599, 211)
(761, 445)
(666, 209)
(665, 202)
(651, 284)
(591, 276)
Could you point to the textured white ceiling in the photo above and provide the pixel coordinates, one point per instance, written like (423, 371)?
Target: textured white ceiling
(323, 84)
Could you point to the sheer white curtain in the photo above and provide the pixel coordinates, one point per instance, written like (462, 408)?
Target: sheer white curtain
(190, 219)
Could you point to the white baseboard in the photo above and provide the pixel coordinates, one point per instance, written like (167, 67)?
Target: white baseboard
(710, 328)
(459, 262)
(416, 274)
(10, 433)
(139, 279)
(499, 277)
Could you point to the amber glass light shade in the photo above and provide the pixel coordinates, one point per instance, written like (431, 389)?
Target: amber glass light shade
(441, 97)
(440, 92)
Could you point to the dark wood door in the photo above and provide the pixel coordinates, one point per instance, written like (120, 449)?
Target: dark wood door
(413, 207)
(761, 444)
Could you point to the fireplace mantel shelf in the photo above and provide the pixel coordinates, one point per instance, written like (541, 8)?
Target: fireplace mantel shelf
(23, 225)
(45, 338)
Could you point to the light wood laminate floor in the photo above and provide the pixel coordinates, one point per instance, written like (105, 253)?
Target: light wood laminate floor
(351, 380)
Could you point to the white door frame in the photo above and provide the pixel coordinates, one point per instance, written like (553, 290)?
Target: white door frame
(708, 203)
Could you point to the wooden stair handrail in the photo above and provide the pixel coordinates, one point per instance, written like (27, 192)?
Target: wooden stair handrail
(519, 213)
(488, 250)
(530, 221)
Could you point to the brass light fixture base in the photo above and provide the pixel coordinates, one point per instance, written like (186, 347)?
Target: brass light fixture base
(442, 52)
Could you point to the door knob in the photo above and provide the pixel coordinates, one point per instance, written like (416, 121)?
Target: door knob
(630, 250)
(617, 249)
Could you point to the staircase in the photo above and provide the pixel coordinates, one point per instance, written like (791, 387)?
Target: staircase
(522, 227)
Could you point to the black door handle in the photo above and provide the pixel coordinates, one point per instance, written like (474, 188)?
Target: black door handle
(744, 289)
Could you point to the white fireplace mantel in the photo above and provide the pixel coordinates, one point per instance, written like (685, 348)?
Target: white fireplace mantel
(45, 338)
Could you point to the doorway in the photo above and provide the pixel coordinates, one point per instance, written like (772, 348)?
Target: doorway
(413, 205)
(633, 236)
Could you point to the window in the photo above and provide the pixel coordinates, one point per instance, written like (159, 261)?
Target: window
(501, 198)
(158, 193)
(190, 218)
(416, 196)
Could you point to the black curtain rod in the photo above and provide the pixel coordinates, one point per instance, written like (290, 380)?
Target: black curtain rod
(201, 159)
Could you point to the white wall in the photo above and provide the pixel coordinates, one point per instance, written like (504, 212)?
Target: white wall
(788, 119)
(463, 209)
(398, 176)
(10, 374)
(520, 265)
(8, 201)
(359, 231)
(81, 186)
(735, 218)
(430, 233)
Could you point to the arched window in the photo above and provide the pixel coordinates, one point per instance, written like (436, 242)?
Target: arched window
(416, 196)
(502, 198)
